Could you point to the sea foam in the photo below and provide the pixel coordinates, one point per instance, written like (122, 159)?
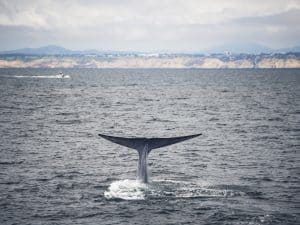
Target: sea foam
(126, 189)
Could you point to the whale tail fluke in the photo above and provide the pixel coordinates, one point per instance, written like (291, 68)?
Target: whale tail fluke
(153, 143)
(144, 146)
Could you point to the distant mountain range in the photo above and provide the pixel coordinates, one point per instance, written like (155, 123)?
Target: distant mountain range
(48, 50)
(56, 50)
(234, 48)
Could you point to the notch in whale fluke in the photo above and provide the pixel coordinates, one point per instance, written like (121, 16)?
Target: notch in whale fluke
(153, 143)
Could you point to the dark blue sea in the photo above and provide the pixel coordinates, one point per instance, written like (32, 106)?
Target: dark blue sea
(244, 169)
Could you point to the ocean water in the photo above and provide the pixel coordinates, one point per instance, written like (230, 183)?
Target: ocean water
(244, 169)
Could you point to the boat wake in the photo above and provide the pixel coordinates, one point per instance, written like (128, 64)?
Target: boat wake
(49, 76)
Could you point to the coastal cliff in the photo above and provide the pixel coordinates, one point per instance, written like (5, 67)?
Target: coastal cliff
(213, 61)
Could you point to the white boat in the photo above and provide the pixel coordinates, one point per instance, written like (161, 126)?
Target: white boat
(61, 75)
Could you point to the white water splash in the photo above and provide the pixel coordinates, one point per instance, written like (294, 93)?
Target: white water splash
(135, 190)
(126, 189)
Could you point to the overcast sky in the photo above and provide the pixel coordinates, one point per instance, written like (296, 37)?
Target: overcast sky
(148, 25)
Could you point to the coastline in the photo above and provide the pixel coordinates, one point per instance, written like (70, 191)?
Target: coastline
(215, 61)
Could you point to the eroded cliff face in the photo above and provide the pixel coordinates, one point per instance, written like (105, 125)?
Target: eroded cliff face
(291, 60)
(279, 63)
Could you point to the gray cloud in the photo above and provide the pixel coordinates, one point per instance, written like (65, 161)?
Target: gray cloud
(173, 25)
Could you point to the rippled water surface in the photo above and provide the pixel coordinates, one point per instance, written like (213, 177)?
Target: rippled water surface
(244, 169)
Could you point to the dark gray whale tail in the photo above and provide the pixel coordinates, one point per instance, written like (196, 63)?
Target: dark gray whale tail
(144, 147)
